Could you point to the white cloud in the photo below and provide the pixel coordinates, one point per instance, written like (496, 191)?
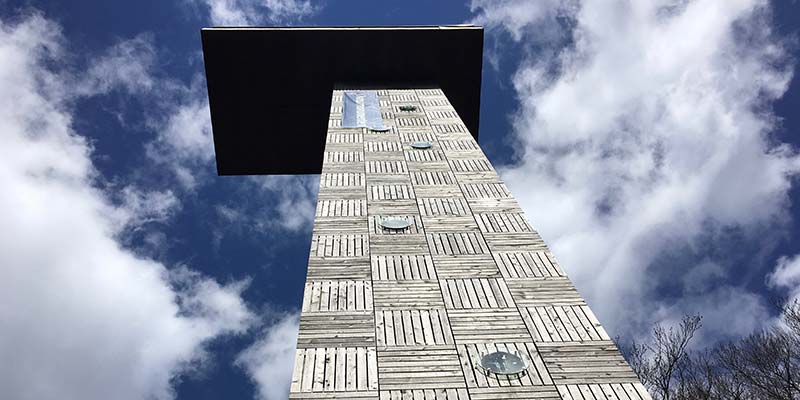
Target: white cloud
(128, 65)
(81, 317)
(521, 18)
(257, 12)
(645, 135)
(184, 141)
(296, 198)
(786, 275)
(269, 361)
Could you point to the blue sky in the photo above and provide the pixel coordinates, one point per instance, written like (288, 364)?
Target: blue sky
(652, 143)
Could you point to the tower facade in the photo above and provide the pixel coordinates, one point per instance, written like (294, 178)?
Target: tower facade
(461, 301)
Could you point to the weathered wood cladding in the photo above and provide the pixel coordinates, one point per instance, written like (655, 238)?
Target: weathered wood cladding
(407, 314)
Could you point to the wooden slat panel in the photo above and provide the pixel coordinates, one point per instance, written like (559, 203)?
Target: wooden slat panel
(455, 145)
(366, 395)
(331, 246)
(465, 266)
(383, 146)
(441, 190)
(449, 128)
(425, 394)
(563, 324)
(621, 391)
(328, 370)
(402, 267)
(476, 293)
(336, 329)
(586, 362)
(395, 156)
(390, 192)
(353, 137)
(527, 264)
(341, 179)
(449, 223)
(411, 121)
(453, 243)
(433, 178)
(515, 392)
(510, 241)
(443, 206)
(403, 368)
(398, 244)
(342, 157)
(442, 113)
(488, 326)
(500, 222)
(485, 190)
(413, 327)
(341, 225)
(425, 156)
(338, 268)
(341, 193)
(544, 292)
(341, 208)
(338, 295)
(405, 96)
(416, 136)
(470, 165)
(500, 205)
(387, 167)
(393, 295)
(392, 207)
(478, 177)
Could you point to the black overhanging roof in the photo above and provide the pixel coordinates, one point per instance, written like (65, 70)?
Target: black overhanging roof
(270, 88)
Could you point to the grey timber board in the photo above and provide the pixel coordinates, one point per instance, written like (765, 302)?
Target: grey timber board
(407, 314)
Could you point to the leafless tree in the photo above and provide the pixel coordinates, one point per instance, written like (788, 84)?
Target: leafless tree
(763, 365)
(659, 363)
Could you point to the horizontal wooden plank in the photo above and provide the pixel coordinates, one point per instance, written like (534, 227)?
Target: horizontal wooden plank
(336, 329)
(392, 295)
(466, 266)
(585, 362)
(488, 326)
(356, 268)
(544, 292)
(430, 367)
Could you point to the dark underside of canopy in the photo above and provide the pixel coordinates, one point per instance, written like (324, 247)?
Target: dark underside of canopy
(270, 88)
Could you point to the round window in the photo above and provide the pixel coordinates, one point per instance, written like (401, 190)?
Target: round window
(503, 363)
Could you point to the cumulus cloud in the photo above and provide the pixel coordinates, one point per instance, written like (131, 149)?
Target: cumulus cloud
(268, 362)
(82, 317)
(184, 142)
(256, 12)
(644, 132)
(786, 276)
